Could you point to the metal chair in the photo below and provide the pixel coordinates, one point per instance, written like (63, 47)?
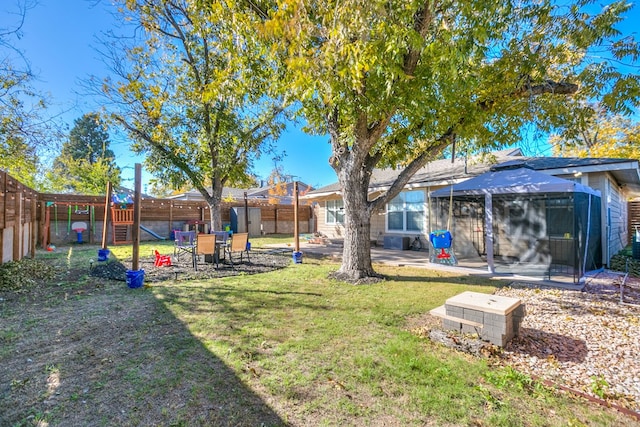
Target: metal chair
(239, 243)
(185, 243)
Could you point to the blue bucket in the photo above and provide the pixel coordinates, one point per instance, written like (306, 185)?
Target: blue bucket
(297, 257)
(103, 254)
(135, 278)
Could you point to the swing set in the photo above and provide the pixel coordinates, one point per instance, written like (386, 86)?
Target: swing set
(81, 220)
(121, 218)
(76, 226)
(441, 241)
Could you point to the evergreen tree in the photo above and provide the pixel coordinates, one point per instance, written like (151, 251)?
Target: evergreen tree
(86, 163)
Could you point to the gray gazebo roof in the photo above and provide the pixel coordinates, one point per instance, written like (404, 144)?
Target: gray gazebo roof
(511, 181)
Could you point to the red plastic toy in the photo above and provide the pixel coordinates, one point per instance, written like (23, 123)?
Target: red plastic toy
(162, 260)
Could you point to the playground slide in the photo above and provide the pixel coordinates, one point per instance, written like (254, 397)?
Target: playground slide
(156, 235)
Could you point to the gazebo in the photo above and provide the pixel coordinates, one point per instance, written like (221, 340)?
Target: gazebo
(520, 220)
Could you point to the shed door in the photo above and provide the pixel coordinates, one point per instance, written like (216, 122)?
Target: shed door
(255, 219)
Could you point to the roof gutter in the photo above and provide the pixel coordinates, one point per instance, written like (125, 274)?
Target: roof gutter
(609, 167)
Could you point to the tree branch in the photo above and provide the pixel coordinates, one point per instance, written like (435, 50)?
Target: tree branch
(547, 87)
(184, 166)
(275, 111)
(422, 21)
(339, 149)
(529, 90)
(255, 7)
(414, 166)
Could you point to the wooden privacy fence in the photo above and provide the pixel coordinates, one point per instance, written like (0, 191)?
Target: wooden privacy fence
(29, 219)
(634, 219)
(158, 218)
(18, 220)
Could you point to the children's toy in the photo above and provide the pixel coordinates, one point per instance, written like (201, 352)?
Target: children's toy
(441, 239)
(162, 260)
(79, 227)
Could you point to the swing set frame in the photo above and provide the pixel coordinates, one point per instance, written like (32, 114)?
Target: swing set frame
(90, 210)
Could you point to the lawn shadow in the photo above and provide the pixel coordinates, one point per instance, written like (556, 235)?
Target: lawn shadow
(117, 356)
(223, 299)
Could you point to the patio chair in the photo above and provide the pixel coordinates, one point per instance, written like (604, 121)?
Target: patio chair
(185, 243)
(206, 245)
(239, 243)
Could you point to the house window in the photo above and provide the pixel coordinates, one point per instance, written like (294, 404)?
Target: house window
(406, 212)
(335, 211)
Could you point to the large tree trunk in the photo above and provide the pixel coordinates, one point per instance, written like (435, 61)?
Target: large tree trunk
(215, 205)
(356, 256)
(216, 214)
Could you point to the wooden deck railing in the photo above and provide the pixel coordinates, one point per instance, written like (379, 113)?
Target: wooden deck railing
(122, 216)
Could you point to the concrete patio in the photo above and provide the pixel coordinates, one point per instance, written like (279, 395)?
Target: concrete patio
(420, 259)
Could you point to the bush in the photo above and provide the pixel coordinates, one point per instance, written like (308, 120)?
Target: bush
(623, 261)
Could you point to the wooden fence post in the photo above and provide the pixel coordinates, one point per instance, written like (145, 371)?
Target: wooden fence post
(17, 224)
(32, 226)
(296, 228)
(105, 222)
(136, 217)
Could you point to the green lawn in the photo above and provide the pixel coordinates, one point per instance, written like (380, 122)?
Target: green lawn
(289, 347)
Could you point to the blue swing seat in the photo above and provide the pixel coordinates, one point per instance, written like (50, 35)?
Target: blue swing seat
(441, 239)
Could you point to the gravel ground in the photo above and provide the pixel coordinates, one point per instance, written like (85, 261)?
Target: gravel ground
(260, 261)
(585, 340)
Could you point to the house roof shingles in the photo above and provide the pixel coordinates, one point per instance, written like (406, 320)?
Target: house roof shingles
(435, 173)
(444, 172)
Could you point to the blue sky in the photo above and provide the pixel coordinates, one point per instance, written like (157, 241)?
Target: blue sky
(59, 39)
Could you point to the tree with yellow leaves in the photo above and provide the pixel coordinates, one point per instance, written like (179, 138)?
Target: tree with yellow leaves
(394, 84)
(278, 185)
(601, 135)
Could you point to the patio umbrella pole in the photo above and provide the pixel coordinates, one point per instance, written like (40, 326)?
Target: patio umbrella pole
(246, 212)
